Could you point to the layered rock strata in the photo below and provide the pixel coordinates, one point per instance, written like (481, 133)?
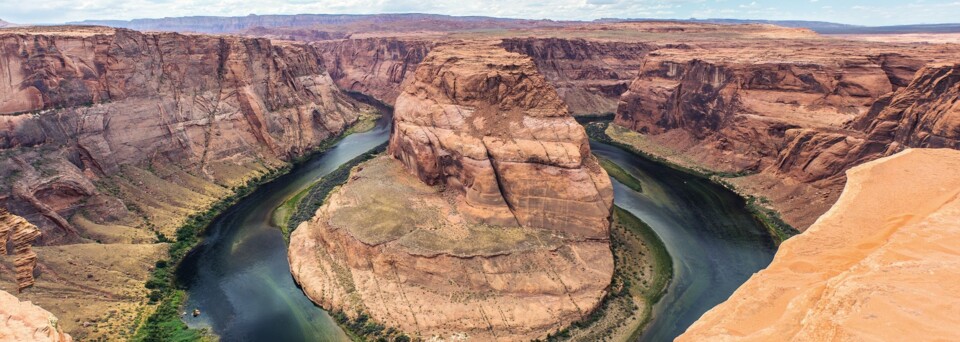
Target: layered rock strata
(373, 66)
(80, 105)
(797, 121)
(881, 264)
(21, 234)
(112, 138)
(23, 321)
(492, 222)
(589, 75)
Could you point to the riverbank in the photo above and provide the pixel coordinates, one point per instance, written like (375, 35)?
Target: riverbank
(604, 131)
(165, 323)
(304, 204)
(642, 271)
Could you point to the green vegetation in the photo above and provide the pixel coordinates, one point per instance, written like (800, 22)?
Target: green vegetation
(165, 324)
(779, 229)
(642, 270)
(362, 328)
(769, 218)
(620, 174)
(303, 205)
(584, 119)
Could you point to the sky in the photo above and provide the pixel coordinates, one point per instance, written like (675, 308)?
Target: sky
(860, 12)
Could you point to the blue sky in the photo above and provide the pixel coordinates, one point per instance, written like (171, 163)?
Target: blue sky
(862, 12)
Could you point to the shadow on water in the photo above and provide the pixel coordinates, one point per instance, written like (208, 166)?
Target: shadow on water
(714, 241)
(239, 277)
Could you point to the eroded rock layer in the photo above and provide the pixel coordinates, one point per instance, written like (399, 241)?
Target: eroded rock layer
(882, 263)
(110, 139)
(589, 75)
(23, 321)
(482, 121)
(796, 120)
(21, 235)
(373, 66)
(81, 104)
(491, 223)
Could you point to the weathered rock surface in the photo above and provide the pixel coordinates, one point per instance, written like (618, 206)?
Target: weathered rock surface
(589, 75)
(483, 122)
(23, 321)
(493, 223)
(925, 113)
(796, 119)
(881, 264)
(217, 108)
(21, 235)
(373, 66)
(116, 136)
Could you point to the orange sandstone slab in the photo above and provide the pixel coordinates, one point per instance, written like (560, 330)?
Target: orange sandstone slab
(883, 263)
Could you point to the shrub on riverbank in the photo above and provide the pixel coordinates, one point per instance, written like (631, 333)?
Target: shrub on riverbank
(626, 310)
(164, 324)
(779, 229)
(305, 204)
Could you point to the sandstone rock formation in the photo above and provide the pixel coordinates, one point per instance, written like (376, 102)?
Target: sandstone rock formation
(373, 66)
(797, 118)
(23, 321)
(589, 75)
(21, 234)
(111, 138)
(217, 108)
(880, 265)
(493, 223)
(483, 122)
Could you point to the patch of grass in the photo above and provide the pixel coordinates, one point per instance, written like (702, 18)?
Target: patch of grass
(362, 328)
(304, 205)
(626, 310)
(620, 174)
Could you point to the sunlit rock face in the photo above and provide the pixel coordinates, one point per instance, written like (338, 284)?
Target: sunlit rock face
(23, 321)
(881, 263)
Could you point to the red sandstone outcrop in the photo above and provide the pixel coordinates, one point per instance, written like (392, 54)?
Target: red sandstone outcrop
(492, 224)
(589, 75)
(23, 321)
(21, 234)
(880, 265)
(798, 119)
(218, 108)
(373, 66)
(485, 123)
(116, 136)
(925, 113)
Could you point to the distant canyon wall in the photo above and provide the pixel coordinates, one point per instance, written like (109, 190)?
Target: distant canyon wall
(588, 75)
(75, 110)
(796, 122)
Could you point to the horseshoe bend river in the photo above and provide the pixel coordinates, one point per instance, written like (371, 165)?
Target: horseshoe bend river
(239, 278)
